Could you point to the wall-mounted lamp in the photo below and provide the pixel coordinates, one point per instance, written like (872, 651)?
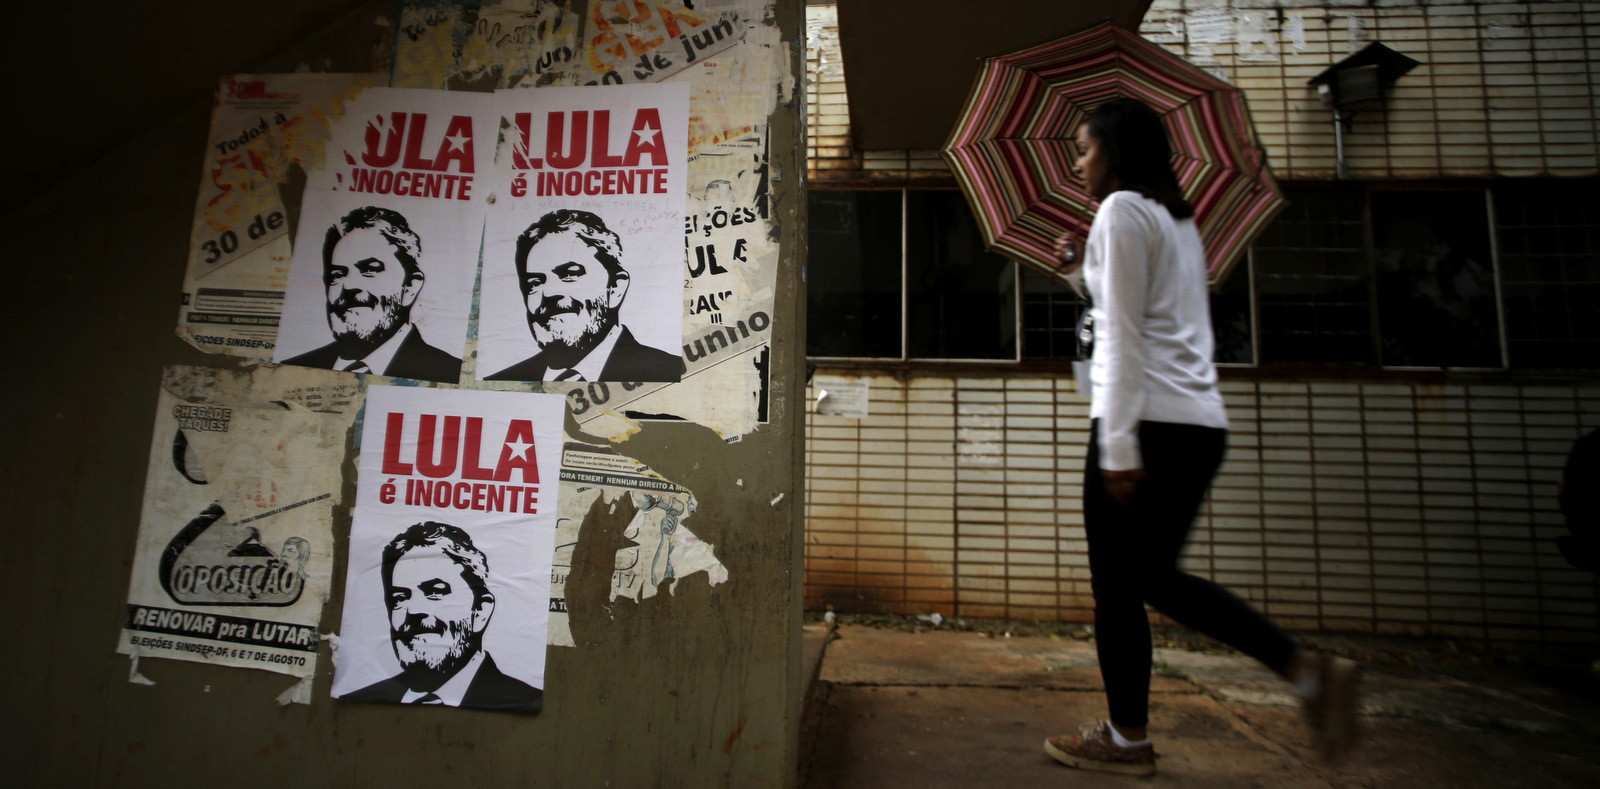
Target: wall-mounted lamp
(1356, 83)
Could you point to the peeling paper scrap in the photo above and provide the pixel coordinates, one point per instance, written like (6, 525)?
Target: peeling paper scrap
(260, 386)
(538, 43)
(730, 357)
(1211, 26)
(980, 431)
(298, 693)
(528, 40)
(611, 426)
(133, 670)
(739, 381)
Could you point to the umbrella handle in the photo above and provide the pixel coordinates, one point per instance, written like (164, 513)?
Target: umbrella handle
(1068, 250)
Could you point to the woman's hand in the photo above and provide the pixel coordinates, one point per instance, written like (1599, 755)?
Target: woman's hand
(1122, 485)
(1069, 250)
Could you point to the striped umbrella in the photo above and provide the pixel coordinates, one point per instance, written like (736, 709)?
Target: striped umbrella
(1012, 147)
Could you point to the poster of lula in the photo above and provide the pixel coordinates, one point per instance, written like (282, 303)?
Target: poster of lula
(387, 249)
(447, 597)
(583, 246)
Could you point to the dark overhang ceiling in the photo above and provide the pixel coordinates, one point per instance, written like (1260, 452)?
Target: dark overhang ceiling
(86, 77)
(908, 64)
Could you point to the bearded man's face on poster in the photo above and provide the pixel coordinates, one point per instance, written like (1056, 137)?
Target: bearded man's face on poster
(436, 617)
(370, 292)
(572, 296)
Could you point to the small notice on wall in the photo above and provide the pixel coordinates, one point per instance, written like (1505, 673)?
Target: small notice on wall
(839, 396)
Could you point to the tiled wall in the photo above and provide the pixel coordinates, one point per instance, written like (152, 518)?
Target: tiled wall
(1504, 89)
(1365, 507)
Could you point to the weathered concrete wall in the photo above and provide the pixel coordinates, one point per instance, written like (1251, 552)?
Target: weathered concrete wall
(696, 687)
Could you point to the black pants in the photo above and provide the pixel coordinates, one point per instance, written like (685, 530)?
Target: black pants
(1133, 560)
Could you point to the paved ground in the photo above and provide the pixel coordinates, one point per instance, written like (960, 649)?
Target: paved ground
(940, 708)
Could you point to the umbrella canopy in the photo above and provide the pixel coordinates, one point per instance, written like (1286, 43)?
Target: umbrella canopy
(1012, 147)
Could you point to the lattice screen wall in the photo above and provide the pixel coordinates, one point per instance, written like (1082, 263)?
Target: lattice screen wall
(1505, 89)
(1369, 507)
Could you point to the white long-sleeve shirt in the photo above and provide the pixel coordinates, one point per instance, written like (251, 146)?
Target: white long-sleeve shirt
(1146, 274)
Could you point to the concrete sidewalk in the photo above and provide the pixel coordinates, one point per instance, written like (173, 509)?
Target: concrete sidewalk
(892, 707)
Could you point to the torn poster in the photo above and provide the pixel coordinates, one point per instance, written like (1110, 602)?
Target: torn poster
(447, 597)
(662, 550)
(733, 359)
(548, 43)
(267, 131)
(387, 249)
(731, 256)
(236, 535)
(583, 249)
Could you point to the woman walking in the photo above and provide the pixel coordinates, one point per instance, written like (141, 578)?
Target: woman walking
(1157, 436)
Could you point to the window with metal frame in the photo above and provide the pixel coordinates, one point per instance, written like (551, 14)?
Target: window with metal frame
(1549, 241)
(903, 274)
(1433, 269)
(1312, 282)
(1429, 278)
(853, 274)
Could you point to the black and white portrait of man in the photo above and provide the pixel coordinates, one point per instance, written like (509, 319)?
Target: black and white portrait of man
(372, 275)
(437, 593)
(573, 284)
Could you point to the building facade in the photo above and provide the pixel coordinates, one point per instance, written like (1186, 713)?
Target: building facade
(1407, 355)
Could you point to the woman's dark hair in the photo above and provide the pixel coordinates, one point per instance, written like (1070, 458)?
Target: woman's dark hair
(1137, 152)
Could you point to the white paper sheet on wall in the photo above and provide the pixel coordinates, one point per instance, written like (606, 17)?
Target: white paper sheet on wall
(840, 396)
(583, 252)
